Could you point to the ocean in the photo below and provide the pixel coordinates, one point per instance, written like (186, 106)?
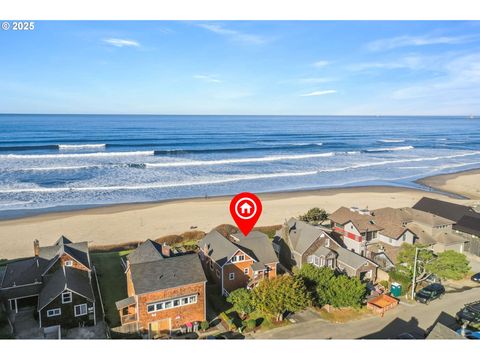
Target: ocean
(52, 162)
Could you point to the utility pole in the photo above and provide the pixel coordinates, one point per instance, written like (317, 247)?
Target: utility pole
(414, 272)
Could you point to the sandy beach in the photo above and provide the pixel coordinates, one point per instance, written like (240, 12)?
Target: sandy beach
(465, 183)
(137, 222)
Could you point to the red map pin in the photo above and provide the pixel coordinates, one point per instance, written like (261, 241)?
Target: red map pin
(245, 209)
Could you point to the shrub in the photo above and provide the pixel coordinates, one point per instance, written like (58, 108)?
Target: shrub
(316, 279)
(226, 229)
(192, 235)
(314, 215)
(384, 283)
(343, 291)
(242, 301)
(268, 230)
(204, 325)
(169, 239)
(275, 296)
(249, 324)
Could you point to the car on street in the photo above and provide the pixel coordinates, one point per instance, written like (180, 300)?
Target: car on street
(470, 314)
(429, 293)
(476, 277)
(469, 334)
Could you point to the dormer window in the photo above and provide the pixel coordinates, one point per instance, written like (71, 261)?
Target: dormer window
(69, 263)
(66, 297)
(238, 258)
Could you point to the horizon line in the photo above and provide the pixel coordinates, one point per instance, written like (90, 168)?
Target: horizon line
(284, 115)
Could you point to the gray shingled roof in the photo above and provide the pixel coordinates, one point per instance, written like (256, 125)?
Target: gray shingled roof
(218, 247)
(65, 278)
(78, 251)
(146, 252)
(323, 251)
(24, 272)
(444, 209)
(362, 222)
(258, 266)
(125, 302)
(256, 245)
(302, 235)
(468, 224)
(442, 332)
(351, 258)
(167, 273)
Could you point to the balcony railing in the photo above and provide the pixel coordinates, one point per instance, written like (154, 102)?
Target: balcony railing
(129, 318)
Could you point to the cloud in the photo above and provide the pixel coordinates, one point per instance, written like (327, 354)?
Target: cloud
(320, 93)
(413, 41)
(454, 91)
(406, 62)
(207, 78)
(321, 63)
(234, 35)
(314, 80)
(121, 42)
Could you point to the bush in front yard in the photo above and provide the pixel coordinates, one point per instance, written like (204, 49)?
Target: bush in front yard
(204, 325)
(250, 324)
(343, 292)
(284, 293)
(242, 301)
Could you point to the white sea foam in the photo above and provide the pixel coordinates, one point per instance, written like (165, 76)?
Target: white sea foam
(58, 168)
(398, 148)
(391, 140)
(227, 180)
(81, 146)
(156, 185)
(86, 155)
(238, 161)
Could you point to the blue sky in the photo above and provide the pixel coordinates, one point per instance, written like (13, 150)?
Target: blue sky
(209, 67)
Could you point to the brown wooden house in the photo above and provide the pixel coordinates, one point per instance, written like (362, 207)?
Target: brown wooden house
(240, 262)
(306, 243)
(164, 291)
(56, 283)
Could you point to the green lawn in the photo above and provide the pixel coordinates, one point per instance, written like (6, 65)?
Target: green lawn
(112, 281)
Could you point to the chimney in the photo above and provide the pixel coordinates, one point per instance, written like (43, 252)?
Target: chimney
(36, 248)
(166, 250)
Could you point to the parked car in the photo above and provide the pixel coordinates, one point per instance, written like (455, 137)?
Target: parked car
(476, 277)
(469, 334)
(429, 293)
(470, 314)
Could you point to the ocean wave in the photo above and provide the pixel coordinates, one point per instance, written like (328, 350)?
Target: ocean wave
(85, 155)
(388, 149)
(228, 180)
(238, 161)
(392, 140)
(57, 168)
(156, 185)
(81, 146)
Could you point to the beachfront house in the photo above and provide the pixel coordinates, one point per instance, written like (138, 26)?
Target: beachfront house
(165, 291)
(238, 262)
(360, 227)
(464, 223)
(56, 283)
(314, 245)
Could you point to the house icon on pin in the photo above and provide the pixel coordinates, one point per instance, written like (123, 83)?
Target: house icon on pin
(246, 208)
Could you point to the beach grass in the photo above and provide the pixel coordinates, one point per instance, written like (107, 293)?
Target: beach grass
(113, 285)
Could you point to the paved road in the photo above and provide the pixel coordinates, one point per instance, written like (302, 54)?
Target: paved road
(413, 318)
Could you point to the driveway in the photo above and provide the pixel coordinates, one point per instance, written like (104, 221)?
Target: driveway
(414, 318)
